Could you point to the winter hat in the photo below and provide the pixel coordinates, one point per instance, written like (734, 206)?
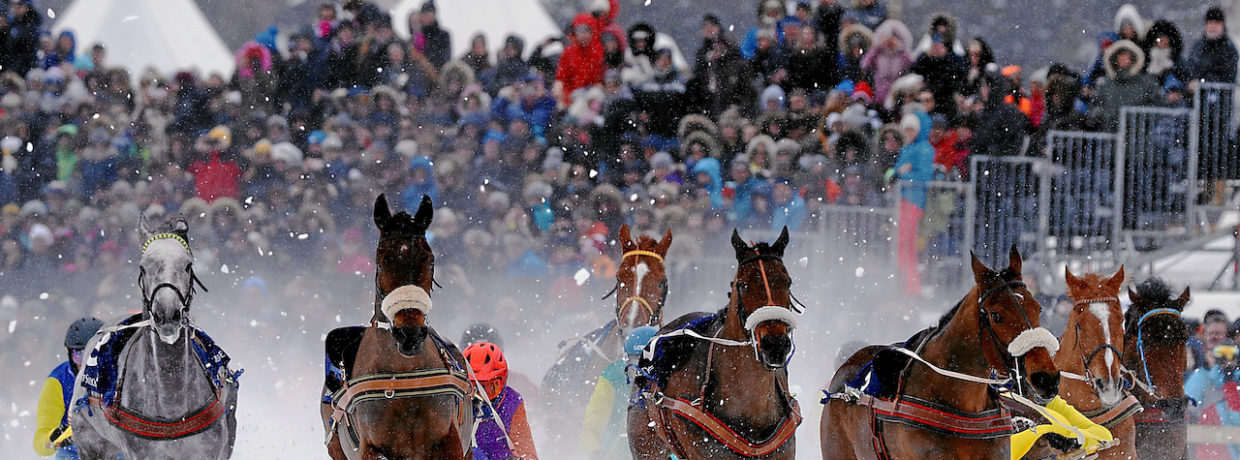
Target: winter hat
(286, 152)
(710, 18)
(911, 121)
(34, 208)
(1215, 14)
(864, 92)
(428, 7)
(775, 94)
(538, 189)
(407, 148)
(220, 134)
(600, 6)
(846, 86)
(40, 232)
(661, 159)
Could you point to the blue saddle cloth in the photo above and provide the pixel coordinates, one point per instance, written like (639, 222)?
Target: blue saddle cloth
(101, 370)
(669, 353)
(880, 377)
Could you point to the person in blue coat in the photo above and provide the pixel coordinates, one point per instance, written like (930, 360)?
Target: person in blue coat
(422, 182)
(914, 169)
(52, 417)
(710, 177)
(788, 206)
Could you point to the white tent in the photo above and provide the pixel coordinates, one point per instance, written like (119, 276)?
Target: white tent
(495, 18)
(169, 35)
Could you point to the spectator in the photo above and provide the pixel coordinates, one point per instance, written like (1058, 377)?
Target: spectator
(719, 81)
(789, 207)
(478, 57)
(914, 168)
(1125, 85)
(870, 13)
(828, 19)
(978, 61)
(999, 129)
(770, 14)
(1213, 58)
(509, 67)
(432, 41)
(582, 62)
(216, 171)
(890, 57)
(1165, 47)
(22, 29)
(944, 74)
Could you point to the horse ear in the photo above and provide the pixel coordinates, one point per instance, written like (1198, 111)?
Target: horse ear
(1014, 261)
(426, 213)
(382, 213)
(980, 270)
(781, 243)
(626, 240)
(1116, 281)
(1132, 296)
(1181, 302)
(1071, 280)
(739, 245)
(144, 226)
(664, 243)
(181, 227)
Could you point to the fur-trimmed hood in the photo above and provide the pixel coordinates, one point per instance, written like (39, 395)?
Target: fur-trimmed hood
(1108, 58)
(856, 30)
(1128, 12)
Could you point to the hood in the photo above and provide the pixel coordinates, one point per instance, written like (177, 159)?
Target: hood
(948, 20)
(1165, 28)
(988, 55)
(711, 167)
(1108, 58)
(923, 134)
(424, 163)
(642, 27)
(700, 137)
(249, 49)
(72, 42)
(892, 27)
(1128, 13)
(856, 32)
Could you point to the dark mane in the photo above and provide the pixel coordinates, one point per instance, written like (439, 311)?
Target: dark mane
(1155, 291)
(947, 317)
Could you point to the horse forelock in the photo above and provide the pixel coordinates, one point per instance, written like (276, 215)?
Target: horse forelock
(401, 223)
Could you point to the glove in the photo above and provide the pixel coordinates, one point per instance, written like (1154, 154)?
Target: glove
(57, 433)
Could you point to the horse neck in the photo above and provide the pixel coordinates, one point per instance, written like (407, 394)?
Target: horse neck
(1166, 362)
(958, 347)
(163, 380)
(736, 375)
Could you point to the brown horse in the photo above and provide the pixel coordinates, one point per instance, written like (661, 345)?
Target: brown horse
(1090, 355)
(1155, 337)
(720, 387)
(404, 391)
(640, 291)
(941, 403)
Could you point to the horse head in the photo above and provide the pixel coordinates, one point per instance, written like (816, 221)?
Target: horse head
(1097, 324)
(1011, 335)
(166, 277)
(404, 273)
(641, 280)
(762, 296)
(1154, 340)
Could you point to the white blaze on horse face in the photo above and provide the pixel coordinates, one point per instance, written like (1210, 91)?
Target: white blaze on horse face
(641, 270)
(1103, 312)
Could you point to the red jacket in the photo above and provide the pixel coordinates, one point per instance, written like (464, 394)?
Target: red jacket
(215, 178)
(581, 66)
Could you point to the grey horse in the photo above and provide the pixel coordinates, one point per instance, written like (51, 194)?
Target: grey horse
(171, 394)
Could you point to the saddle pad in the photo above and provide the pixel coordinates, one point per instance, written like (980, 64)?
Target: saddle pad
(671, 353)
(880, 377)
(101, 370)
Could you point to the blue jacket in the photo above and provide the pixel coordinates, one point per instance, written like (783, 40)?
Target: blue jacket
(412, 195)
(791, 214)
(711, 167)
(919, 154)
(749, 43)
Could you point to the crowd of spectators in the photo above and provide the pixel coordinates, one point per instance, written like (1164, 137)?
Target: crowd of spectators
(533, 153)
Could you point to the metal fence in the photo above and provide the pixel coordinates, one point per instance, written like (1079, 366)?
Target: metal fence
(1004, 208)
(1079, 199)
(1216, 161)
(945, 231)
(1153, 168)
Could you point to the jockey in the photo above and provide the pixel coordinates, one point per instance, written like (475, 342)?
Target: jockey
(1065, 422)
(52, 419)
(514, 439)
(605, 421)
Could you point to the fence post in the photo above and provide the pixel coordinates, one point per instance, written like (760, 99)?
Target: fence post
(1194, 151)
(1121, 153)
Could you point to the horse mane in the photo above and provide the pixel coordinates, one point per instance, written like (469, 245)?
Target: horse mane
(947, 317)
(1154, 293)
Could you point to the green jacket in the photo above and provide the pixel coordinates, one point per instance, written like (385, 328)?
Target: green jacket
(603, 432)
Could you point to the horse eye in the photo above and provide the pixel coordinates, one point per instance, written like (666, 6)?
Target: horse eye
(994, 317)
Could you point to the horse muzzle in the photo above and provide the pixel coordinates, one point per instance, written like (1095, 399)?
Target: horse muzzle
(409, 340)
(771, 330)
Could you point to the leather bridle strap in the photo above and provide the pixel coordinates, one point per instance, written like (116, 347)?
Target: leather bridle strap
(622, 306)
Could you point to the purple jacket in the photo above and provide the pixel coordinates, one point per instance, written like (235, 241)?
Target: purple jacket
(490, 439)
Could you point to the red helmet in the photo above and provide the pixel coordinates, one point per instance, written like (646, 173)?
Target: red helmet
(489, 365)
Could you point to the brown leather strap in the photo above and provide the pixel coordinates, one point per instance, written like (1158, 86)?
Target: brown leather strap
(913, 412)
(734, 441)
(153, 429)
(1113, 416)
(438, 382)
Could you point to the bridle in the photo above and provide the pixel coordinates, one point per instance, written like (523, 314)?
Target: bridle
(184, 295)
(769, 311)
(656, 312)
(381, 320)
(1008, 353)
(1148, 383)
(1087, 359)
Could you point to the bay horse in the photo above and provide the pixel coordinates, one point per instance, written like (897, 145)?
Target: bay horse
(937, 397)
(1090, 357)
(395, 389)
(640, 292)
(716, 385)
(1155, 338)
(154, 386)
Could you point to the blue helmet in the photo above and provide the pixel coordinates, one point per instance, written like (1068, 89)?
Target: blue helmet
(637, 340)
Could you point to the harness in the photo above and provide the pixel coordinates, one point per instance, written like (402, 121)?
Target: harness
(448, 381)
(185, 296)
(661, 407)
(945, 420)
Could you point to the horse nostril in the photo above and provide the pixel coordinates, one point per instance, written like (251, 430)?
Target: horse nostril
(1045, 382)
